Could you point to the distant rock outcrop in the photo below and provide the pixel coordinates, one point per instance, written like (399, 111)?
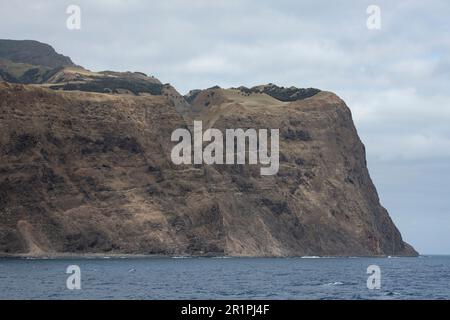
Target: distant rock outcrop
(33, 52)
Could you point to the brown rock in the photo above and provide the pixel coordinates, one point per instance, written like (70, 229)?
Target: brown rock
(91, 173)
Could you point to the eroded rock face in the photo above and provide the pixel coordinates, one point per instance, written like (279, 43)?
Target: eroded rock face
(91, 173)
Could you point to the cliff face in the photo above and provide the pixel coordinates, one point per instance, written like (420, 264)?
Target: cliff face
(87, 172)
(85, 167)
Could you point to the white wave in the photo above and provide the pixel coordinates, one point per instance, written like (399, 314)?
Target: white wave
(337, 283)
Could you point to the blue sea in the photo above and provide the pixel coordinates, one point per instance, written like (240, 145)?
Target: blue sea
(425, 277)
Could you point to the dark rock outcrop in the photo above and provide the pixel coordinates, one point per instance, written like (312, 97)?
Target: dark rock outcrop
(281, 93)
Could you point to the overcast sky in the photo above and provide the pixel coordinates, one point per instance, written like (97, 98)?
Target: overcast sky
(396, 80)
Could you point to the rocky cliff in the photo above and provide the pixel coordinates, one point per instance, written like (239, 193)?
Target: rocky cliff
(90, 172)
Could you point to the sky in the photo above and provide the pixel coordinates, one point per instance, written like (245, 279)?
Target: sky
(395, 79)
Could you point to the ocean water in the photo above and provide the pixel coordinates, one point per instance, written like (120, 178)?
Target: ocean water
(426, 277)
